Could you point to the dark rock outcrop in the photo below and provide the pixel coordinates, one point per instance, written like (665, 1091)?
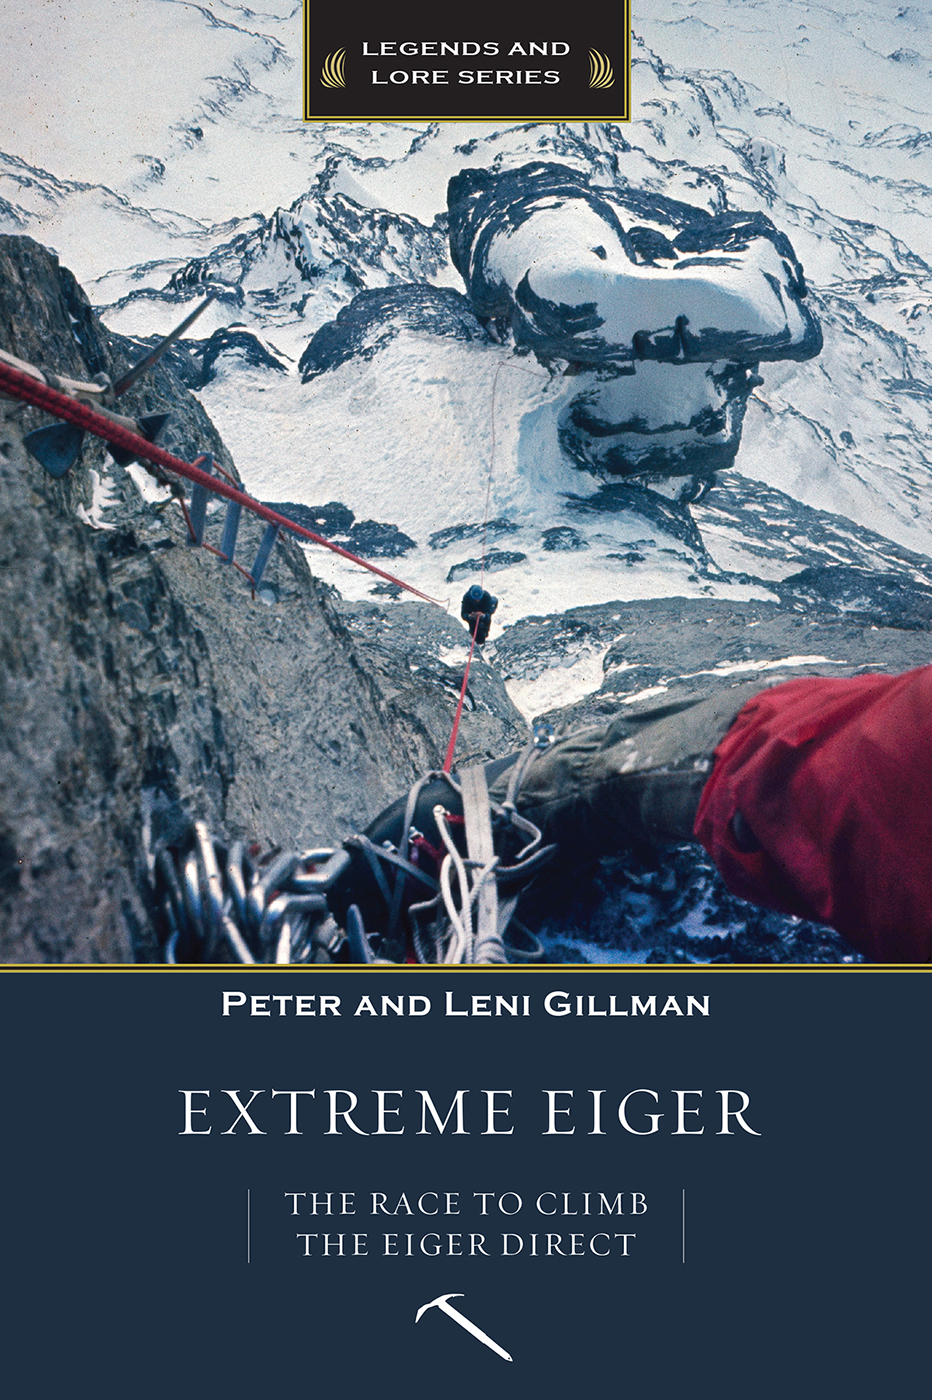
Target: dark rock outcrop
(682, 648)
(141, 682)
(378, 315)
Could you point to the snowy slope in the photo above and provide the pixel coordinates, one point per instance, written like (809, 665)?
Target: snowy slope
(812, 115)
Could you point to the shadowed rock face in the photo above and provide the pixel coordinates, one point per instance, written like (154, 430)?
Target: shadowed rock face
(662, 310)
(656, 313)
(659, 421)
(375, 317)
(142, 686)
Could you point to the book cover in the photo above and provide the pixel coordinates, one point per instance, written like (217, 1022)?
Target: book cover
(627, 323)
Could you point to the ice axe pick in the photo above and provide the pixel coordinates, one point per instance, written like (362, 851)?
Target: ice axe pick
(57, 446)
(443, 1303)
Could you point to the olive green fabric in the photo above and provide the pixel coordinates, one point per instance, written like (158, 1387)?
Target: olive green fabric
(638, 778)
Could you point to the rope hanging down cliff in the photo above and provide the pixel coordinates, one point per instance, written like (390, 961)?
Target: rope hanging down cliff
(26, 387)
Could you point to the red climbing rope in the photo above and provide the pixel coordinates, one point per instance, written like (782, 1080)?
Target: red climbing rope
(448, 761)
(18, 385)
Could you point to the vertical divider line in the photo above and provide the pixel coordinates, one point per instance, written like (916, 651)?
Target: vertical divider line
(683, 1228)
(248, 1226)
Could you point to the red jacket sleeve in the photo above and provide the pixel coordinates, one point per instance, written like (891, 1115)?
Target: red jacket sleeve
(833, 783)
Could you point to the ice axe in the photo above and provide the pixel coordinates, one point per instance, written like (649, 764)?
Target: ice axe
(56, 447)
(443, 1303)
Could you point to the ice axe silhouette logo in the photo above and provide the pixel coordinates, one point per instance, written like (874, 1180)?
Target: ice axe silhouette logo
(443, 1303)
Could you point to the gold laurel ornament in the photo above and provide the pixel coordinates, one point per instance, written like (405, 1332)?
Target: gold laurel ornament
(600, 70)
(331, 75)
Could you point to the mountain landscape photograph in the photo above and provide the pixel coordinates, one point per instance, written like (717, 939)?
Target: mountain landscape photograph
(662, 386)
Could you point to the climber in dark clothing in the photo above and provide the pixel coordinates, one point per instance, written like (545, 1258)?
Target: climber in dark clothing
(477, 608)
(811, 796)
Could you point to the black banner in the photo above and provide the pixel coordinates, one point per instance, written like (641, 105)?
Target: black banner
(495, 62)
(230, 1181)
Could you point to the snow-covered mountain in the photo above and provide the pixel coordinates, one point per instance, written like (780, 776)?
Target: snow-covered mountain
(362, 373)
(810, 115)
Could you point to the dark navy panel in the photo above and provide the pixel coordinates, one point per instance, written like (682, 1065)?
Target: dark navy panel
(142, 1260)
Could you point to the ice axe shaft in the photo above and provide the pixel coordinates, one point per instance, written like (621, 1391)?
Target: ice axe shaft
(155, 354)
(443, 1303)
(57, 446)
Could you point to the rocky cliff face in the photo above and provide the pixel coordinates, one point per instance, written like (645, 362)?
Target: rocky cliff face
(143, 685)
